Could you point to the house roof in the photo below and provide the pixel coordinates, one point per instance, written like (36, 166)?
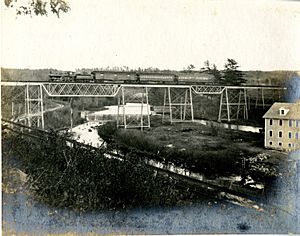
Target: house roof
(293, 113)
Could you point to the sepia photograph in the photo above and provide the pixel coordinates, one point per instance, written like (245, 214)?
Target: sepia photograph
(148, 117)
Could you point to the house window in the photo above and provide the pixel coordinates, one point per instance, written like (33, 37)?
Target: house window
(271, 143)
(280, 144)
(282, 112)
(280, 134)
(290, 123)
(271, 133)
(271, 122)
(290, 134)
(297, 135)
(280, 122)
(290, 145)
(297, 123)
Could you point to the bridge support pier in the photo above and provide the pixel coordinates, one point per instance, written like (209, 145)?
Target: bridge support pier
(178, 102)
(233, 104)
(34, 106)
(130, 101)
(265, 97)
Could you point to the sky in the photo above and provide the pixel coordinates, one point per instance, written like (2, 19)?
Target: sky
(168, 34)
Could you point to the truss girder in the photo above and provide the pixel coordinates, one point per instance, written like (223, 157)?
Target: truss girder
(207, 89)
(81, 89)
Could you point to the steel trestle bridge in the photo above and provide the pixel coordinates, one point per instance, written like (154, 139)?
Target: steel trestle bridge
(177, 102)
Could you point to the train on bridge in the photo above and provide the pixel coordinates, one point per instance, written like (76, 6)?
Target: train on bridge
(133, 77)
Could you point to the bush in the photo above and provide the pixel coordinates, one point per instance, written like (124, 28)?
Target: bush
(134, 139)
(209, 163)
(85, 179)
(108, 131)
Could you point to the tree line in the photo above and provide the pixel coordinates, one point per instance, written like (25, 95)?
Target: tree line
(230, 75)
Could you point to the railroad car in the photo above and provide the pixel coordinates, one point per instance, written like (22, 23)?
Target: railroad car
(156, 78)
(114, 77)
(196, 78)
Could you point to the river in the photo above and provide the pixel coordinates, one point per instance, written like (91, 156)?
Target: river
(246, 128)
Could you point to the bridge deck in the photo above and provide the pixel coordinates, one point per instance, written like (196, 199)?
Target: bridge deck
(24, 83)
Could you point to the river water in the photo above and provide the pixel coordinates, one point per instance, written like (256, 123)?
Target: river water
(246, 128)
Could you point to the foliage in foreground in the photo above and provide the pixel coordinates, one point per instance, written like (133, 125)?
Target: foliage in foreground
(85, 179)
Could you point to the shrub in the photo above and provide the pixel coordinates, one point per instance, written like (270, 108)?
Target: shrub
(85, 179)
(134, 139)
(108, 131)
(210, 163)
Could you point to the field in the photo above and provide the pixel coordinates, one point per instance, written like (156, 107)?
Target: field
(215, 153)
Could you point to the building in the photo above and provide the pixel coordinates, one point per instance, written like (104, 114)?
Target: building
(282, 126)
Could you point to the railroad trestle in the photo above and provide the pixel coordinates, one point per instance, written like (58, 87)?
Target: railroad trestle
(234, 101)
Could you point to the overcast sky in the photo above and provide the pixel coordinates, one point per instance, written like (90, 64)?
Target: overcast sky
(259, 35)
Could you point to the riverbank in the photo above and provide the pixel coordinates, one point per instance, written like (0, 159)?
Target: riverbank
(228, 158)
(23, 215)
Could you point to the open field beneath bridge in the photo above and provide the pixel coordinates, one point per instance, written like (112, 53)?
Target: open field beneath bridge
(216, 154)
(195, 136)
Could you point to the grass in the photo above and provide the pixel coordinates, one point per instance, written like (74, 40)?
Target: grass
(212, 151)
(199, 148)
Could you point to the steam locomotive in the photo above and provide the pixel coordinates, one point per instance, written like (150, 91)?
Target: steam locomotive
(132, 77)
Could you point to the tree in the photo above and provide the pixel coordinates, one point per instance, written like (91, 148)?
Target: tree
(38, 7)
(190, 67)
(233, 76)
(213, 71)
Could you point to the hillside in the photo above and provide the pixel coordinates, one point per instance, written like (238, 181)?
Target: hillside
(25, 74)
(269, 77)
